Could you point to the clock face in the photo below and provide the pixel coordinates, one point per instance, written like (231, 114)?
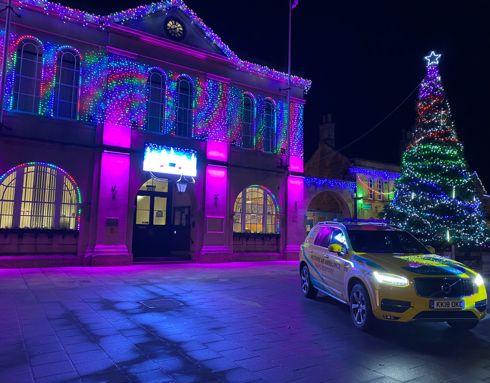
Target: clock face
(174, 28)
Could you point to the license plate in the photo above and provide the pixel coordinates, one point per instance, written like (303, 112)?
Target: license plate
(447, 305)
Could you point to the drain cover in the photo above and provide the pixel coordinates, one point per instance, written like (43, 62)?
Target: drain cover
(162, 304)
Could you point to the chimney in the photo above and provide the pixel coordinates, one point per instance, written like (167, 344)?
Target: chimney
(327, 131)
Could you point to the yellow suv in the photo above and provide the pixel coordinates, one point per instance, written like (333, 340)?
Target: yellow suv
(384, 273)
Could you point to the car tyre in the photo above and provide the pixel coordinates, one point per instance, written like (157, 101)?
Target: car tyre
(463, 325)
(360, 308)
(309, 291)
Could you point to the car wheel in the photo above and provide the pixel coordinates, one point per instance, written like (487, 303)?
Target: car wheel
(360, 308)
(309, 291)
(463, 325)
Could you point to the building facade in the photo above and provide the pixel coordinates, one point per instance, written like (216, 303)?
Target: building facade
(337, 187)
(142, 136)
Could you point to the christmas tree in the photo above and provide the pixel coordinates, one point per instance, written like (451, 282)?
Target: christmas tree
(435, 197)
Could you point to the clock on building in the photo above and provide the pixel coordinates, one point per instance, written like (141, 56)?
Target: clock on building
(174, 28)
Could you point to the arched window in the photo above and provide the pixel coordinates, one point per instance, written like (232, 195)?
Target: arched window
(269, 126)
(255, 212)
(67, 85)
(184, 108)
(39, 196)
(27, 82)
(155, 105)
(247, 122)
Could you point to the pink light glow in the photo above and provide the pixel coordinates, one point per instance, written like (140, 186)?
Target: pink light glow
(295, 190)
(116, 135)
(217, 151)
(213, 172)
(296, 164)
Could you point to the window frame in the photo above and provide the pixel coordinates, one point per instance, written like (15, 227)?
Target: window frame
(43, 195)
(161, 102)
(248, 138)
(269, 130)
(268, 202)
(20, 78)
(188, 110)
(74, 102)
(371, 188)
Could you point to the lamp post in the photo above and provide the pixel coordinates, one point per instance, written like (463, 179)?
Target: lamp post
(356, 198)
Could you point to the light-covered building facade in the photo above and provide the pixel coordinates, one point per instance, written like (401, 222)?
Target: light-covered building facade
(142, 136)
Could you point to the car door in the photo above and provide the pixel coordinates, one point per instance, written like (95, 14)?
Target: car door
(321, 262)
(340, 262)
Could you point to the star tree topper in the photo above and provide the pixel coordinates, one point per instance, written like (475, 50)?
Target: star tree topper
(432, 58)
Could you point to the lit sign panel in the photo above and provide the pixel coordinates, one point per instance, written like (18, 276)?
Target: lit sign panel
(170, 160)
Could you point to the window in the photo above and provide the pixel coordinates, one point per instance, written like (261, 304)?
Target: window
(67, 85)
(247, 122)
(27, 83)
(38, 196)
(338, 238)
(152, 203)
(371, 188)
(269, 126)
(155, 105)
(184, 108)
(255, 212)
(323, 237)
(379, 189)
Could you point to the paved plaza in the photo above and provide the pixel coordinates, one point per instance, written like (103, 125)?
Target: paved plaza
(240, 322)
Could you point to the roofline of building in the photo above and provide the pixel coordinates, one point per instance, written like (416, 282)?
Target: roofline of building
(114, 20)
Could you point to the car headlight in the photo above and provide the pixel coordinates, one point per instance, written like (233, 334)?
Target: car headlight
(391, 279)
(479, 281)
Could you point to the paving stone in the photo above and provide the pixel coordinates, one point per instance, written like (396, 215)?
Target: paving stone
(245, 322)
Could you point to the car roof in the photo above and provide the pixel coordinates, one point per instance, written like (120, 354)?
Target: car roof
(361, 225)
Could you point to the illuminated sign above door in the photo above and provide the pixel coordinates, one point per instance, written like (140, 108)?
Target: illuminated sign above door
(170, 160)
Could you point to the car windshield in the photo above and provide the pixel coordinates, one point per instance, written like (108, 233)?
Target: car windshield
(384, 241)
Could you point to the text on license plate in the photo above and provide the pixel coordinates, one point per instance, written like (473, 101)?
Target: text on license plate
(444, 305)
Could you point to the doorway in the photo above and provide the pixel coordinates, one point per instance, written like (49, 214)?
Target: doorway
(161, 232)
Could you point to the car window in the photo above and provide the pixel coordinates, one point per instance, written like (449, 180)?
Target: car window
(323, 237)
(385, 241)
(338, 237)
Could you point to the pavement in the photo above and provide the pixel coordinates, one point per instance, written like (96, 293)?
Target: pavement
(237, 322)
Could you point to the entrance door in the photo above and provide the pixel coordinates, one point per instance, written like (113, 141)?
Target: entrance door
(155, 236)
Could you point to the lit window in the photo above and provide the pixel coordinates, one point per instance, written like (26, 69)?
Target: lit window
(379, 189)
(371, 188)
(269, 126)
(67, 87)
(247, 122)
(27, 84)
(255, 212)
(184, 108)
(38, 196)
(155, 105)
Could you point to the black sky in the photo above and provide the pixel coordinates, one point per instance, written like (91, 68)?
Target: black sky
(364, 57)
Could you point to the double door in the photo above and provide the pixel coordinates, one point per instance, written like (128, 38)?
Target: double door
(161, 231)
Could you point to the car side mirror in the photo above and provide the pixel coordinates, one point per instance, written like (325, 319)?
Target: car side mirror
(335, 248)
(431, 249)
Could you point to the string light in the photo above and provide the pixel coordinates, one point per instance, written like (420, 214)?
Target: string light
(435, 196)
(329, 183)
(70, 14)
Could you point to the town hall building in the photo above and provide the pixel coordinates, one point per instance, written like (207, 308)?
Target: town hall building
(141, 136)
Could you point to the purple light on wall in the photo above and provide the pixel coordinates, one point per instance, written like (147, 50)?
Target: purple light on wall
(217, 151)
(296, 164)
(116, 135)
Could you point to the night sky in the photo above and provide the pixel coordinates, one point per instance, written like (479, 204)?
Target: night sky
(364, 58)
